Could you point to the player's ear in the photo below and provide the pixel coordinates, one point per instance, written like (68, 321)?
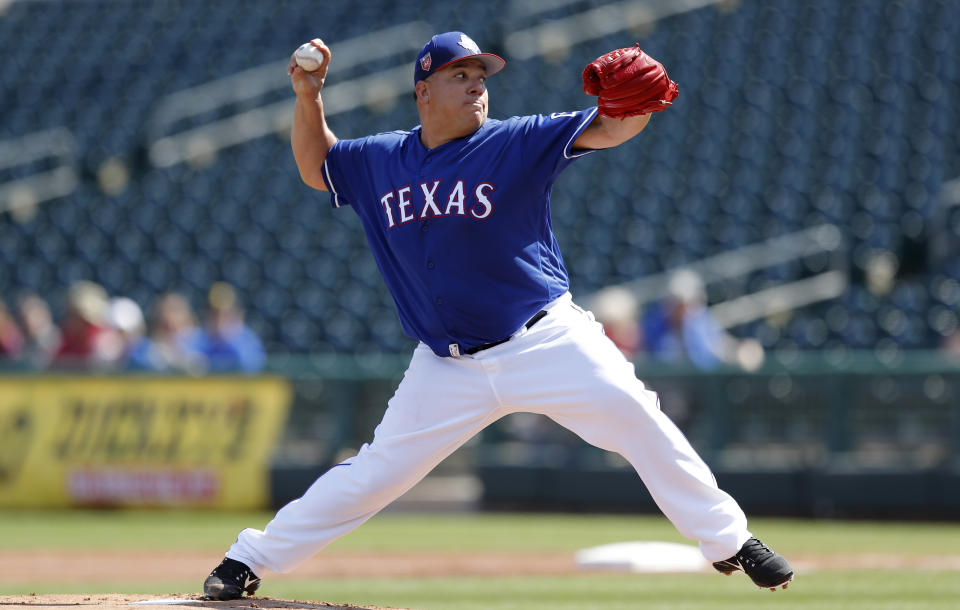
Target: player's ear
(421, 91)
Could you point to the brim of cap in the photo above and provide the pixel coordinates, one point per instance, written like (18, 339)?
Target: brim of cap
(493, 63)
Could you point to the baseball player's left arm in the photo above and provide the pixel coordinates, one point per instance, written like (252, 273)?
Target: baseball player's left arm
(606, 132)
(629, 85)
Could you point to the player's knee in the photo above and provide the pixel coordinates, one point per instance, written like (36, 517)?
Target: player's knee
(369, 478)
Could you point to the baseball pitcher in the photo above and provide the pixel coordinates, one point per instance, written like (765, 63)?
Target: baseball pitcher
(457, 214)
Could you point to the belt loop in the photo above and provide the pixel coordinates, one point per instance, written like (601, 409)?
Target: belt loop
(455, 350)
(536, 318)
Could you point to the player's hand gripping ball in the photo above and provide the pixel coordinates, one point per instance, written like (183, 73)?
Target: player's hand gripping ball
(308, 56)
(628, 82)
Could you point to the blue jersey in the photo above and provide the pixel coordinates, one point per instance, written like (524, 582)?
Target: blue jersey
(462, 232)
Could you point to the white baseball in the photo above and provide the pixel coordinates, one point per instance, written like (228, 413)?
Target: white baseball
(308, 57)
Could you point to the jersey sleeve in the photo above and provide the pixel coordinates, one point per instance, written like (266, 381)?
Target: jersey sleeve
(344, 167)
(548, 139)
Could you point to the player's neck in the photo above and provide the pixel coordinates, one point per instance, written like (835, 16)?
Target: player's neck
(432, 136)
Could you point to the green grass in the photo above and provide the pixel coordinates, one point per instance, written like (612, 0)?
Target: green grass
(86, 529)
(853, 590)
(394, 532)
(848, 590)
(210, 530)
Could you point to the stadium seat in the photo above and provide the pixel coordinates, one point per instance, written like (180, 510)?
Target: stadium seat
(785, 119)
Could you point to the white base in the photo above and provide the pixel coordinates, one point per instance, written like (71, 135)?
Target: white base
(642, 557)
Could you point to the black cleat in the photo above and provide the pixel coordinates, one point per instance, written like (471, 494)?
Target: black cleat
(765, 567)
(230, 580)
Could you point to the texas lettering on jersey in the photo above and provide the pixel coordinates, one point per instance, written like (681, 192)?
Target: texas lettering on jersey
(428, 200)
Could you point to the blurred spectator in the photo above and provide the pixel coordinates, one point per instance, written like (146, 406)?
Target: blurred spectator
(126, 319)
(616, 309)
(680, 328)
(226, 341)
(951, 344)
(171, 346)
(42, 335)
(11, 339)
(87, 338)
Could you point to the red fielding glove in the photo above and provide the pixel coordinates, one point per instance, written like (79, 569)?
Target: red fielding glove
(628, 82)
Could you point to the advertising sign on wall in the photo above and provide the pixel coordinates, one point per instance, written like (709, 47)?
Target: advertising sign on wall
(139, 441)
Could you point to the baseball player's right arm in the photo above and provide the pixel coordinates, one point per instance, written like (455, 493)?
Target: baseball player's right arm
(310, 136)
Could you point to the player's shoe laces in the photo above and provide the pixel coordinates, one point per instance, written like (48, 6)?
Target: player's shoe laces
(765, 567)
(230, 580)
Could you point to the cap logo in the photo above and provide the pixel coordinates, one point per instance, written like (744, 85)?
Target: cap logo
(426, 62)
(468, 44)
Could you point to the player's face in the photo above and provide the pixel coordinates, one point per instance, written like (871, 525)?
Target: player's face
(458, 95)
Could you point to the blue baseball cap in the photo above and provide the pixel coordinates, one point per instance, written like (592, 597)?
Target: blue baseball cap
(446, 48)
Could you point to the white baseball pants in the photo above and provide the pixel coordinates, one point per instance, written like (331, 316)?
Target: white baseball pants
(563, 367)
